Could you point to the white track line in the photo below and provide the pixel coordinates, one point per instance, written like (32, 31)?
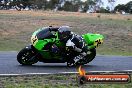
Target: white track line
(24, 74)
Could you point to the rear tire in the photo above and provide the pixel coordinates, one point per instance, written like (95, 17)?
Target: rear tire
(24, 57)
(91, 56)
(70, 63)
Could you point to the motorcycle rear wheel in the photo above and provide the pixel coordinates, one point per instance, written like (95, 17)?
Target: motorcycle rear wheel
(70, 64)
(24, 57)
(91, 55)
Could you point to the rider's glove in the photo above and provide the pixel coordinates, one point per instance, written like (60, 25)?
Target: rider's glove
(54, 49)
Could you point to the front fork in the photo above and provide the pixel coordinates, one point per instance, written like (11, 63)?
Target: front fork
(34, 52)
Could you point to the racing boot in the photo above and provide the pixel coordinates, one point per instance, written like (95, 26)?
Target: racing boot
(77, 58)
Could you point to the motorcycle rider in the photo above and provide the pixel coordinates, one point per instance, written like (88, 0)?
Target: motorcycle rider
(72, 41)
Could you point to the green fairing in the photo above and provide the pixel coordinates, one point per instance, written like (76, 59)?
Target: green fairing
(39, 44)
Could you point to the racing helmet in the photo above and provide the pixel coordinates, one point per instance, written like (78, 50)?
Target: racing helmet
(64, 33)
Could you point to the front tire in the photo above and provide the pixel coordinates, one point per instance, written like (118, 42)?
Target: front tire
(24, 57)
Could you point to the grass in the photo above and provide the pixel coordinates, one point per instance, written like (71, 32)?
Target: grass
(16, 28)
(52, 81)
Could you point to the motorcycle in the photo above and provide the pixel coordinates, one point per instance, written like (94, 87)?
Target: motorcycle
(40, 49)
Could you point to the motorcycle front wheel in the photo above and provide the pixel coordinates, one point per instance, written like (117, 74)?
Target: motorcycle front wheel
(26, 57)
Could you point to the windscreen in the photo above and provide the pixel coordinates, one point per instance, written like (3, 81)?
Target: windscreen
(44, 34)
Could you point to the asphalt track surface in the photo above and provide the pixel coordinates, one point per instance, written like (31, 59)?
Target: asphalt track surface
(9, 65)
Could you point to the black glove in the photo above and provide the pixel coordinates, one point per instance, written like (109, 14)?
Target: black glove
(54, 48)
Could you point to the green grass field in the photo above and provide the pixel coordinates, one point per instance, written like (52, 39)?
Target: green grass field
(16, 28)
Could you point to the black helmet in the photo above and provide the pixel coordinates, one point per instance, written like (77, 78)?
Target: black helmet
(64, 33)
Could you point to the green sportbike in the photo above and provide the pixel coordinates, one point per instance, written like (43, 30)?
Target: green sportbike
(39, 49)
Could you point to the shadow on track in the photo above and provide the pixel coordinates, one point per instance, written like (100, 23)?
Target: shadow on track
(57, 66)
